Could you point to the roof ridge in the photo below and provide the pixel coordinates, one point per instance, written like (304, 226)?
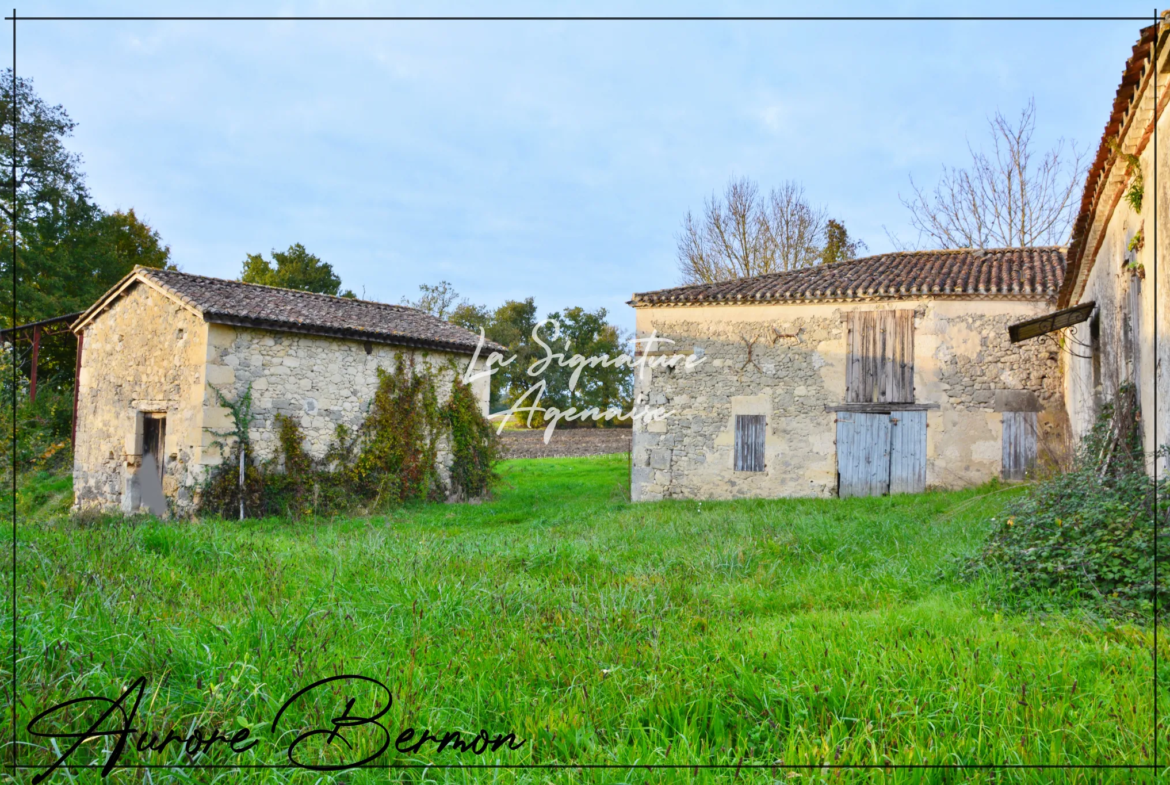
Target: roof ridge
(301, 292)
(1027, 271)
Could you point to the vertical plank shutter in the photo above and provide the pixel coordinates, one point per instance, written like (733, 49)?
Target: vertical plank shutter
(880, 363)
(749, 442)
(908, 452)
(1135, 330)
(863, 454)
(1019, 444)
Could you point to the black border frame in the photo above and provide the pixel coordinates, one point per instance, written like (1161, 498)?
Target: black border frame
(15, 765)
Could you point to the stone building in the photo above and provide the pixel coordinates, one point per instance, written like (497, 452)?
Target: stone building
(884, 374)
(1118, 331)
(153, 348)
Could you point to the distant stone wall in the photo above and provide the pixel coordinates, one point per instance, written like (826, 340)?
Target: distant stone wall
(797, 365)
(144, 354)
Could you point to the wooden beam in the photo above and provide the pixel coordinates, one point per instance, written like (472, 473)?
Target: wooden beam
(76, 384)
(879, 408)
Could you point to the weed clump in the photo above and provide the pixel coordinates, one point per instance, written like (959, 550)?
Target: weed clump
(392, 459)
(1085, 538)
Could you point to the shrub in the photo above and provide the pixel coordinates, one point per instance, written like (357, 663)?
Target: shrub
(1086, 537)
(392, 458)
(43, 429)
(474, 446)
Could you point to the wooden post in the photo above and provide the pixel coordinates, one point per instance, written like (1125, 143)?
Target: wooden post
(241, 481)
(76, 385)
(36, 353)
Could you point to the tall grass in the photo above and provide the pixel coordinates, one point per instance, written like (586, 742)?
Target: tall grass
(746, 633)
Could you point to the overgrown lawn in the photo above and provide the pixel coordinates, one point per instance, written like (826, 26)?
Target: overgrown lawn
(788, 632)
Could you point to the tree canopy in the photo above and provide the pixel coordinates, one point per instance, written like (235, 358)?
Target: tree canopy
(69, 251)
(295, 268)
(583, 332)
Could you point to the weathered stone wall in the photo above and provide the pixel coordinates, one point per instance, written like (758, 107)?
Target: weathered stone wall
(1108, 283)
(143, 354)
(318, 381)
(797, 366)
(148, 353)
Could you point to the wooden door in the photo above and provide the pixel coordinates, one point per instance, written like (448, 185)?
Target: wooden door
(1019, 444)
(908, 452)
(154, 438)
(863, 454)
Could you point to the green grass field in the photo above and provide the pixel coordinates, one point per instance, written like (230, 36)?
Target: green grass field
(788, 632)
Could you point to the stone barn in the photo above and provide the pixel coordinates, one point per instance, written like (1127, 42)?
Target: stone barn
(886, 374)
(1114, 318)
(154, 346)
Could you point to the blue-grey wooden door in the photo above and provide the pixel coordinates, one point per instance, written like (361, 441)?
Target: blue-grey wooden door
(907, 452)
(1019, 444)
(863, 454)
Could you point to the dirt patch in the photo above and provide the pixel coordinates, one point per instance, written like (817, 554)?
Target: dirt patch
(566, 442)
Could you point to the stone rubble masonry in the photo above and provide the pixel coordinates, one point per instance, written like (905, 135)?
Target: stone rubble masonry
(797, 366)
(148, 353)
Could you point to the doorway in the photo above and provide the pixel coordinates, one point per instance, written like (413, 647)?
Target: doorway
(880, 453)
(154, 439)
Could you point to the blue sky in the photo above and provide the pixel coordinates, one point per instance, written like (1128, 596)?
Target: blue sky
(551, 159)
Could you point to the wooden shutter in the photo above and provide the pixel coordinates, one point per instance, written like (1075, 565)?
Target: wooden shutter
(1019, 444)
(907, 452)
(880, 363)
(749, 442)
(863, 454)
(1134, 324)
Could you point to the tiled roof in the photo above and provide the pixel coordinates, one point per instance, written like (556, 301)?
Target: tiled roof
(1134, 77)
(288, 310)
(1018, 273)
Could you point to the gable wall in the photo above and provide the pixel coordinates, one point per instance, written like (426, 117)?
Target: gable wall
(144, 353)
(1108, 281)
(962, 359)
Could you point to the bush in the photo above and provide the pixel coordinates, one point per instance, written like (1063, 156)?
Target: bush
(391, 460)
(474, 446)
(43, 429)
(1086, 537)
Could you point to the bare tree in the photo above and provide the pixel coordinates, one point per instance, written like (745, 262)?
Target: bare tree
(745, 234)
(1013, 197)
(439, 299)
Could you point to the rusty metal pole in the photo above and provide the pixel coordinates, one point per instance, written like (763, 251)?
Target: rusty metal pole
(36, 353)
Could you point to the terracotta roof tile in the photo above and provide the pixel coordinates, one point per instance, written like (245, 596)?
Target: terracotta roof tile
(1025, 273)
(288, 310)
(1119, 117)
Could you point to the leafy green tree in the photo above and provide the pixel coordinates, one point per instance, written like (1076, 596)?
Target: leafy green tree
(838, 246)
(588, 334)
(48, 175)
(131, 242)
(295, 268)
(68, 250)
(511, 325)
(471, 317)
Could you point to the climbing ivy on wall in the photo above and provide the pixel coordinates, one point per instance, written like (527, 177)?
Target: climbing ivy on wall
(392, 458)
